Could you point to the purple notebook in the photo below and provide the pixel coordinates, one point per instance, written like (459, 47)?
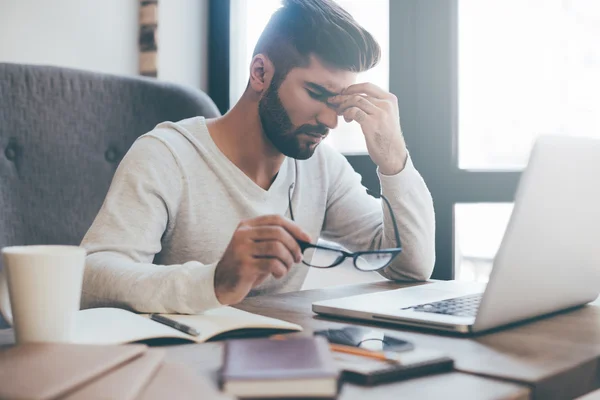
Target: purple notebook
(294, 367)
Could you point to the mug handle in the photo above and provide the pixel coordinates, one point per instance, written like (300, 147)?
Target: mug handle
(5, 309)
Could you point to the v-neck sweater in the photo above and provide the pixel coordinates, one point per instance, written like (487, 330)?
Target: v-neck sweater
(176, 200)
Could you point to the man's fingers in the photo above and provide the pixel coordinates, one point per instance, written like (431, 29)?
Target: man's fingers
(369, 89)
(275, 219)
(274, 232)
(272, 266)
(274, 249)
(344, 102)
(355, 114)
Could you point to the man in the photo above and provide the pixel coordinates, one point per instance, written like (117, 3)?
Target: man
(197, 214)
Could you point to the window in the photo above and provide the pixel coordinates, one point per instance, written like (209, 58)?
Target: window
(478, 231)
(515, 83)
(248, 19)
(525, 68)
(478, 81)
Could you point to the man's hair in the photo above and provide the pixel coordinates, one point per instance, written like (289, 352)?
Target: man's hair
(301, 28)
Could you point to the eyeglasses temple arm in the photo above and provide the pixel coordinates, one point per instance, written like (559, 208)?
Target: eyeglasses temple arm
(398, 243)
(290, 201)
(396, 234)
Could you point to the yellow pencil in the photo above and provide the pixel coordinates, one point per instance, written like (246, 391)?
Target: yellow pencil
(340, 348)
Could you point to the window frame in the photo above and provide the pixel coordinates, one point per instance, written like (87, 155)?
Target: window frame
(219, 14)
(425, 80)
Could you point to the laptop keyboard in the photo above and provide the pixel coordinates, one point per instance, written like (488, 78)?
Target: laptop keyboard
(465, 306)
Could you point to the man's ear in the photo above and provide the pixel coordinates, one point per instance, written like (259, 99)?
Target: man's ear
(261, 73)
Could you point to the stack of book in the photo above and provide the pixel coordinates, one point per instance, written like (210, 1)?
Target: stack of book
(93, 372)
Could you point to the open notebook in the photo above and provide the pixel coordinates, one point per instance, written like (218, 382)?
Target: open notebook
(116, 326)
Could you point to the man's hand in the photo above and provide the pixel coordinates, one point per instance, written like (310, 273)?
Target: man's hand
(259, 247)
(377, 113)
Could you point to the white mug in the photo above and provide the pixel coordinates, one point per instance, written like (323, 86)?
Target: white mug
(44, 290)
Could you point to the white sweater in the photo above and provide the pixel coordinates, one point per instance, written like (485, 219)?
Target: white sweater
(176, 199)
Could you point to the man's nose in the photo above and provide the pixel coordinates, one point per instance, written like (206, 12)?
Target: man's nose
(328, 117)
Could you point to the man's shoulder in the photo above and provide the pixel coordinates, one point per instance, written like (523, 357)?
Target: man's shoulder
(177, 132)
(177, 137)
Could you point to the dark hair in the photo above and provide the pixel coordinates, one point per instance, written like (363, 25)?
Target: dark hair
(301, 28)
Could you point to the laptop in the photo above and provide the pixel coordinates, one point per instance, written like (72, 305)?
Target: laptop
(549, 258)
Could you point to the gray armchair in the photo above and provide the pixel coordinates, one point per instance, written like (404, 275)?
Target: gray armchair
(62, 135)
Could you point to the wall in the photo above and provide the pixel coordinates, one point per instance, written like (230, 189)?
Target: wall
(102, 36)
(182, 41)
(93, 35)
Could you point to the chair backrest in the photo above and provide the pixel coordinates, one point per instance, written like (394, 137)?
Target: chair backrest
(62, 135)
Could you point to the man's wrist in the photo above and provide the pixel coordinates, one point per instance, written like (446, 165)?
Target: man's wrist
(220, 294)
(395, 168)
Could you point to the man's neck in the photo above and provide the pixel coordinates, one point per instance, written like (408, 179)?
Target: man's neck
(239, 135)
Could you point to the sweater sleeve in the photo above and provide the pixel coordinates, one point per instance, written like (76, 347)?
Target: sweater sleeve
(121, 244)
(358, 221)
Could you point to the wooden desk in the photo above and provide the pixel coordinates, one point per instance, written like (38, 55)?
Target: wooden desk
(556, 357)
(551, 358)
(206, 360)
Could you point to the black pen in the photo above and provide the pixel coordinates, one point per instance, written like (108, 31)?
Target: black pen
(174, 324)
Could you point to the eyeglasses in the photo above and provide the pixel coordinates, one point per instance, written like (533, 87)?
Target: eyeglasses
(329, 257)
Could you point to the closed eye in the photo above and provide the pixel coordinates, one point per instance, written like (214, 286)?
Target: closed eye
(318, 96)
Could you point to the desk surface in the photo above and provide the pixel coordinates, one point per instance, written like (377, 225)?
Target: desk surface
(206, 358)
(550, 358)
(557, 356)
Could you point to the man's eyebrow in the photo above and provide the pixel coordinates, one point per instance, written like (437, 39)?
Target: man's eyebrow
(321, 89)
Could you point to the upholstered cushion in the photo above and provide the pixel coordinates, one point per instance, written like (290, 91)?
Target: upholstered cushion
(62, 135)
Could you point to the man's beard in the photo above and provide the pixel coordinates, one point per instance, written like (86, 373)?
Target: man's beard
(278, 128)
